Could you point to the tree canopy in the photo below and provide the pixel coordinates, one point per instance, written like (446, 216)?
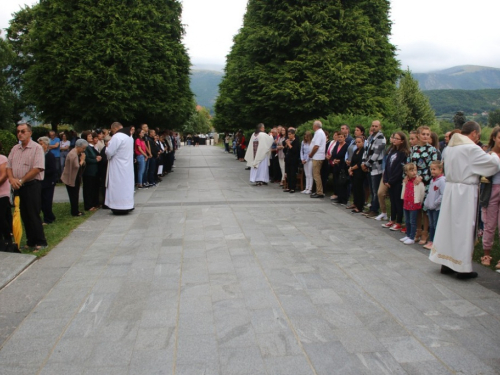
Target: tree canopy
(8, 97)
(90, 63)
(294, 61)
(411, 107)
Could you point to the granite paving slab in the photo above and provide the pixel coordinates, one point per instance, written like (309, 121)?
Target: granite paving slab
(211, 275)
(12, 264)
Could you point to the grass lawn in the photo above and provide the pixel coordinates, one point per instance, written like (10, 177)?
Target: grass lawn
(495, 252)
(58, 230)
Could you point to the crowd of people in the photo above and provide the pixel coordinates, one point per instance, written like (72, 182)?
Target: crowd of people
(110, 164)
(414, 171)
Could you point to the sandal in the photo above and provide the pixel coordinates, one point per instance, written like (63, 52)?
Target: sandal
(486, 260)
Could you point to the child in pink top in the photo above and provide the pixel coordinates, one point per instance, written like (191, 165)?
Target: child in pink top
(413, 195)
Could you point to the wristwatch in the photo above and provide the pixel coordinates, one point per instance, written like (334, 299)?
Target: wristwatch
(21, 182)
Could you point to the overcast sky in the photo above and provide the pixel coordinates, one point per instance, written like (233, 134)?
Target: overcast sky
(429, 34)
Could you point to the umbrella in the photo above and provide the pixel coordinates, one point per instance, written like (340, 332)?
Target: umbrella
(17, 227)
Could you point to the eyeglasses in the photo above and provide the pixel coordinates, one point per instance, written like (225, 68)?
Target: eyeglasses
(22, 131)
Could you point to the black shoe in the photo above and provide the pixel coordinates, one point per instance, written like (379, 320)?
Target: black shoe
(447, 270)
(335, 201)
(314, 195)
(247, 168)
(286, 190)
(317, 195)
(292, 191)
(466, 275)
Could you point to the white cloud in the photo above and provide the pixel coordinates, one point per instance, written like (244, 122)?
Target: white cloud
(429, 34)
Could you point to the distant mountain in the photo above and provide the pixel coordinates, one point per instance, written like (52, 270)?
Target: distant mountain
(447, 102)
(205, 86)
(465, 77)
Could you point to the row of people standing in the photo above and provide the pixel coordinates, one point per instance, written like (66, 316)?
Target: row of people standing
(154, 153)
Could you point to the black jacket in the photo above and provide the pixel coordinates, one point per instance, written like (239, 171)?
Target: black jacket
(393, 173)
(50, 176)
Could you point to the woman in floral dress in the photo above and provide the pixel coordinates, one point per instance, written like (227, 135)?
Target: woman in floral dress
(422, 154)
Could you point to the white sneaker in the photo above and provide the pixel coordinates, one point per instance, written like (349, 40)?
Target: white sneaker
(404, 239)
(304, 191)
(382, 216)
(409, 241)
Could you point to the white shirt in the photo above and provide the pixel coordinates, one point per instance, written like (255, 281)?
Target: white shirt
(319, 139)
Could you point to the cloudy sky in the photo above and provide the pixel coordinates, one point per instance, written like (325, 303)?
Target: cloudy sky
(429, 34)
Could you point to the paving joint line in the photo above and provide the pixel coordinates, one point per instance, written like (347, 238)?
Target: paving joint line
(329, 258)
(288, 320)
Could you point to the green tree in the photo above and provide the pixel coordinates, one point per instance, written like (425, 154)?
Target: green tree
(411, 107)
(494, 118)
(91, 63)
(459, 119)
(8, 98)
(294, 61)
(199, 122)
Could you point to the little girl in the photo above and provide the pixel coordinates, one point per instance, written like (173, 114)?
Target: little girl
(433, 201)
(412, 196)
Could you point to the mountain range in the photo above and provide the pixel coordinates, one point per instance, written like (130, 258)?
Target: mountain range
(449, 90)
(465, 77)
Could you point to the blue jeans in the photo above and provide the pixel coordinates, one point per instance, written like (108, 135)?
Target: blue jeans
(375, 183)
(141, 163)
(433, 220)
(145, 174)
(411, 223)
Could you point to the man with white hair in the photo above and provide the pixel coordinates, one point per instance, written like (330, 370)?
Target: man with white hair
(317, 154)
(120, 184)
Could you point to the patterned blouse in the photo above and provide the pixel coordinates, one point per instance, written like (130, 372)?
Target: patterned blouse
(422, 156)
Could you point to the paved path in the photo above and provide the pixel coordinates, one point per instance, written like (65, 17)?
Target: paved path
(212, 276)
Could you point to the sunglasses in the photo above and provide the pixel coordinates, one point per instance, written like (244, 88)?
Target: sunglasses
(22, 131)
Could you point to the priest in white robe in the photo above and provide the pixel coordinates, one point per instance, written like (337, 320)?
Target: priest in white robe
(120, 179)
(465, 163)
(257, 155)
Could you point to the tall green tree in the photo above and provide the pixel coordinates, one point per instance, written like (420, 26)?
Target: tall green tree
(8, 98)
(199, 122)
(293, 61)
(411, 107)
(90, 63)
(494, 118)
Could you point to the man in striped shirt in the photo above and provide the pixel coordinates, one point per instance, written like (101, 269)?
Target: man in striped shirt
(25, 169)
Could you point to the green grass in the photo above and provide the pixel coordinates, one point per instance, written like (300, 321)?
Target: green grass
(495, 252)
(59, 229)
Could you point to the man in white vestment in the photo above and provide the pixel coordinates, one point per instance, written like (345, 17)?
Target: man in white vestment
(120, 186)
(465, 164)
(257, 155)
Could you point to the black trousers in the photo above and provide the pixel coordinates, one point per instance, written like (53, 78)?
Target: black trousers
(291, 168)
(47, 198)
(5, 220)
(358, 192)
(341, 190)
(73, 194)
(90, 192)
(396, 202)
(30, 197)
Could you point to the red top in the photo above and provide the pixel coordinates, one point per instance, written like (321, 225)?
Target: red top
(409, 197)
(140, 144)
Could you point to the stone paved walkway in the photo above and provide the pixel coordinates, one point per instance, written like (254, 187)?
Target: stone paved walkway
(210, 275)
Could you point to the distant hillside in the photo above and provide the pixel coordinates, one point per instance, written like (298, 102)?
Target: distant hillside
(205, 86)
(469, 101)
(466, 77)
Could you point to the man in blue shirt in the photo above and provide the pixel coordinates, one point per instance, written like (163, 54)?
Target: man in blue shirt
(55, 149)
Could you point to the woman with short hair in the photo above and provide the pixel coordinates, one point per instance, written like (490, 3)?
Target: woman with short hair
(72, 174)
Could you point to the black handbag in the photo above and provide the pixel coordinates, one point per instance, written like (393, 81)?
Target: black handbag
(485, 192)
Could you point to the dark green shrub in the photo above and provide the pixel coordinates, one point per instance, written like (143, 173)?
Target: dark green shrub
(8, 141)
